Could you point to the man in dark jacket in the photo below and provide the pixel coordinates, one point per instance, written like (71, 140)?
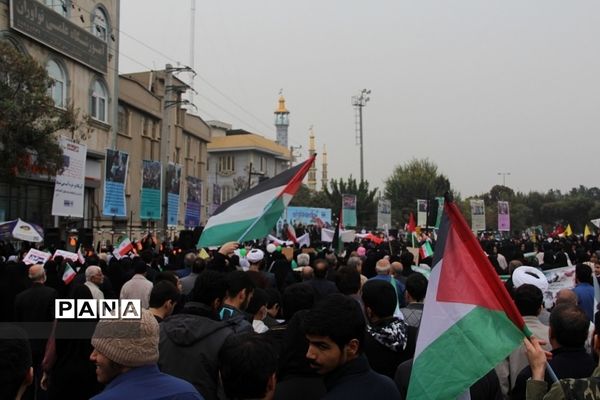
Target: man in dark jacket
(248, 363)
(335, 330)
(568, 331)
(320, 283)
(36, 304)
(296, 380)
(190, 342)
(386, 335)
(239, 291)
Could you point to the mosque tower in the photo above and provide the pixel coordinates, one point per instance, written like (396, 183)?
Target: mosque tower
(324, 180)
(312, 172)
(282, 121)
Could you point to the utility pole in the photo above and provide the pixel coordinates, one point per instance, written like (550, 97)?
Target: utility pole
(165, 140)
(169, 100)
(359, 102)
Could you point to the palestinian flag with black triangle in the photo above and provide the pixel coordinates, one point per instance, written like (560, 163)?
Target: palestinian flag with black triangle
(469, 321)
(253, 213)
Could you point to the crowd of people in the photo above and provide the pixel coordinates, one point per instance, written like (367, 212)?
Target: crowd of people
(258, 325)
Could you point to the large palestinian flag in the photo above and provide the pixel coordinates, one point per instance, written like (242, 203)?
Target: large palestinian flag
(253, 213)
(469, 321)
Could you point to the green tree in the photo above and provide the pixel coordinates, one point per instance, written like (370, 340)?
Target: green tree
(366, 204)
(417, 179)
(28, 118)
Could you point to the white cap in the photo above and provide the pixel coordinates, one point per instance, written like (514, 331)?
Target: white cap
(244, 265)
(255, 256)
(271, 248)
(530, 275)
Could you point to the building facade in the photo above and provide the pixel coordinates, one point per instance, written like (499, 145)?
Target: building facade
(84, 74)
(130, 113)
(150, 110)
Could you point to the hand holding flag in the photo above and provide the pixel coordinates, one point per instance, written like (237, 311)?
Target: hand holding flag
(469, 319)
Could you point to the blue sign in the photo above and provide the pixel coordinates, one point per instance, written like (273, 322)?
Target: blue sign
(309, 216)
(115, 173)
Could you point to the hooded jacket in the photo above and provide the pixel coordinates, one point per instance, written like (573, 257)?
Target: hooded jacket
(189, 347)
(385, 342)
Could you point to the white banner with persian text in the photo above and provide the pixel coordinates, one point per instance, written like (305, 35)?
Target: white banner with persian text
(70, 183)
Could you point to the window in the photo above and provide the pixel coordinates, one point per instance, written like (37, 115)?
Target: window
(99, 102)
(188, 147)
(226, 164)
(263, 164)
(60, 6)
(226, 193)
(123, 121)
(100, 24)
(57, 90)
(146, 127)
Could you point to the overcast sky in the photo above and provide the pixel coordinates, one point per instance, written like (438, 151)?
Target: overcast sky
(478, 87)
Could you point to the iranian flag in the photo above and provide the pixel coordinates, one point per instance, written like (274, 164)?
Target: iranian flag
(123, 248)
(469, 321)
(253, 214)
(291, 233)
(425, 250)
(69, 274)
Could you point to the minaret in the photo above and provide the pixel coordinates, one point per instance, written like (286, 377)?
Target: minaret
(324, 181)
(312, 172)
(282, 121)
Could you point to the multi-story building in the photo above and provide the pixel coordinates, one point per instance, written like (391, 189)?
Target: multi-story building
(150, 107)
(78, 45)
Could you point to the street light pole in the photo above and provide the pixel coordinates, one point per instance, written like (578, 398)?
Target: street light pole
(359, 102)
(504, 177)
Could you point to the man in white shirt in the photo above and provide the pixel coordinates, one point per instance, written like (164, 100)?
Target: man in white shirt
(93, 279)
(138, 287)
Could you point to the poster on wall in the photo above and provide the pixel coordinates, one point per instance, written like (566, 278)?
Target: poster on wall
(440, 211)
(150, 199)
(115, 174)
(384, 213)
(349, 209)
(477, 215)
(503, 216)
(193, 202)
(308, 216)
(69, 187)
(422, 213)
(173, 187)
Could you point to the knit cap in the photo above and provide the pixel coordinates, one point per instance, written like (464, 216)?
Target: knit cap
(129, 342)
